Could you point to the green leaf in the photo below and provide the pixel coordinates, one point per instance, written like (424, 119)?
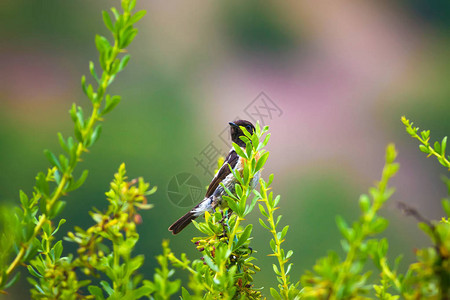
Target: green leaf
(229, 193)
(248, 150)
(275, 269)
(64, 164)
(261, 161)
(424, 149)
(110, 103)
(288, 269)
(238, 190)
(125, 5)
(231, 203)
(273, 246)
(425, 134)
(80, 116)
(343, 227)
(284, 231)
(52, 158)
(107, 20)
(33, 272)
(185, 294)
(250, 207)
(446, 206)
(42, 185)
(142, 291)
(244, 237)
(263, 224)
(114, 68)
(245, 131)
(115, 13)
(245, 176)
(83, 86)
(124, 62)
(135, 263)
(131, 5)
(46, 228)
(263, 210)
(95, 134)
(437, 147)
(242, 205)
(56, 209)
(62, 143)
(255, 140)
(62, 221)
(12, 281)
(58, 249)
(96, 291)
(128, 37)
(102, 43)
(278, 220)
(276, 201)
(137, 16)
(429, 231)
(364, 203)
(236, 175)
(239, 150)
(379, 225)
(79, 182)
(382, 248)
(108, 289)
(210, 263)
(23, 199)
(275, 294)
(266, 140)
(245, 139)
(93, 73)
(270, 180)
(443, 146)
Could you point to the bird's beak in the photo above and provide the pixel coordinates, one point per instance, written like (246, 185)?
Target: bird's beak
(233, 124)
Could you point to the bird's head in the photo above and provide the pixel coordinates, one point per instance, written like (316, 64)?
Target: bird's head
(236, 131)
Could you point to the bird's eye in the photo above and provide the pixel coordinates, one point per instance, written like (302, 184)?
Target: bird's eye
(248, 127)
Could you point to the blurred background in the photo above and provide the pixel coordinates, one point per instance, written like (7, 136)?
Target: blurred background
(331, 80)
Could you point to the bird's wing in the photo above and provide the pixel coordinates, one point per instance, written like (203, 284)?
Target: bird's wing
(231, 159)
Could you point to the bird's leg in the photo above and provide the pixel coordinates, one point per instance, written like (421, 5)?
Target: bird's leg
(224, 221)
(223, 217)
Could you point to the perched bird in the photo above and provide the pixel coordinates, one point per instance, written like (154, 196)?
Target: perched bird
(213, 197)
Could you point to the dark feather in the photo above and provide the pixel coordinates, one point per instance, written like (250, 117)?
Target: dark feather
(182, 222)
(231, 159)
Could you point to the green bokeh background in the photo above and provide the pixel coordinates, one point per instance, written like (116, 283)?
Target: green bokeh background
(342, 76)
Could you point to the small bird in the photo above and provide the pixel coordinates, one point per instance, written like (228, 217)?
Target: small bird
(213, 197)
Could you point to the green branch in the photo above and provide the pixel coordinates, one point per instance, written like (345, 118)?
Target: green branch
(438, 149)
(278, 238)
(86, 134)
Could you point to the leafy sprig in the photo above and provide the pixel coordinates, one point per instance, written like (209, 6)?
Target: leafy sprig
(334, 278)
(45, 203)
(286, 290)
(429, 277)
(103, 249)
(226, 270)
(438, 149)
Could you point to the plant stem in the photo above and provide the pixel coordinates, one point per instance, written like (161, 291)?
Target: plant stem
(393, 277)
(273, 230)
(367, 219)
(68, 174)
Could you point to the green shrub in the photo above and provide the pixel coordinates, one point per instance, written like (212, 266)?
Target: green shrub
(104, 266)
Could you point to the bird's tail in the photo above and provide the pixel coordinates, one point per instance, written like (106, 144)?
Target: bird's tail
(182, 222)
